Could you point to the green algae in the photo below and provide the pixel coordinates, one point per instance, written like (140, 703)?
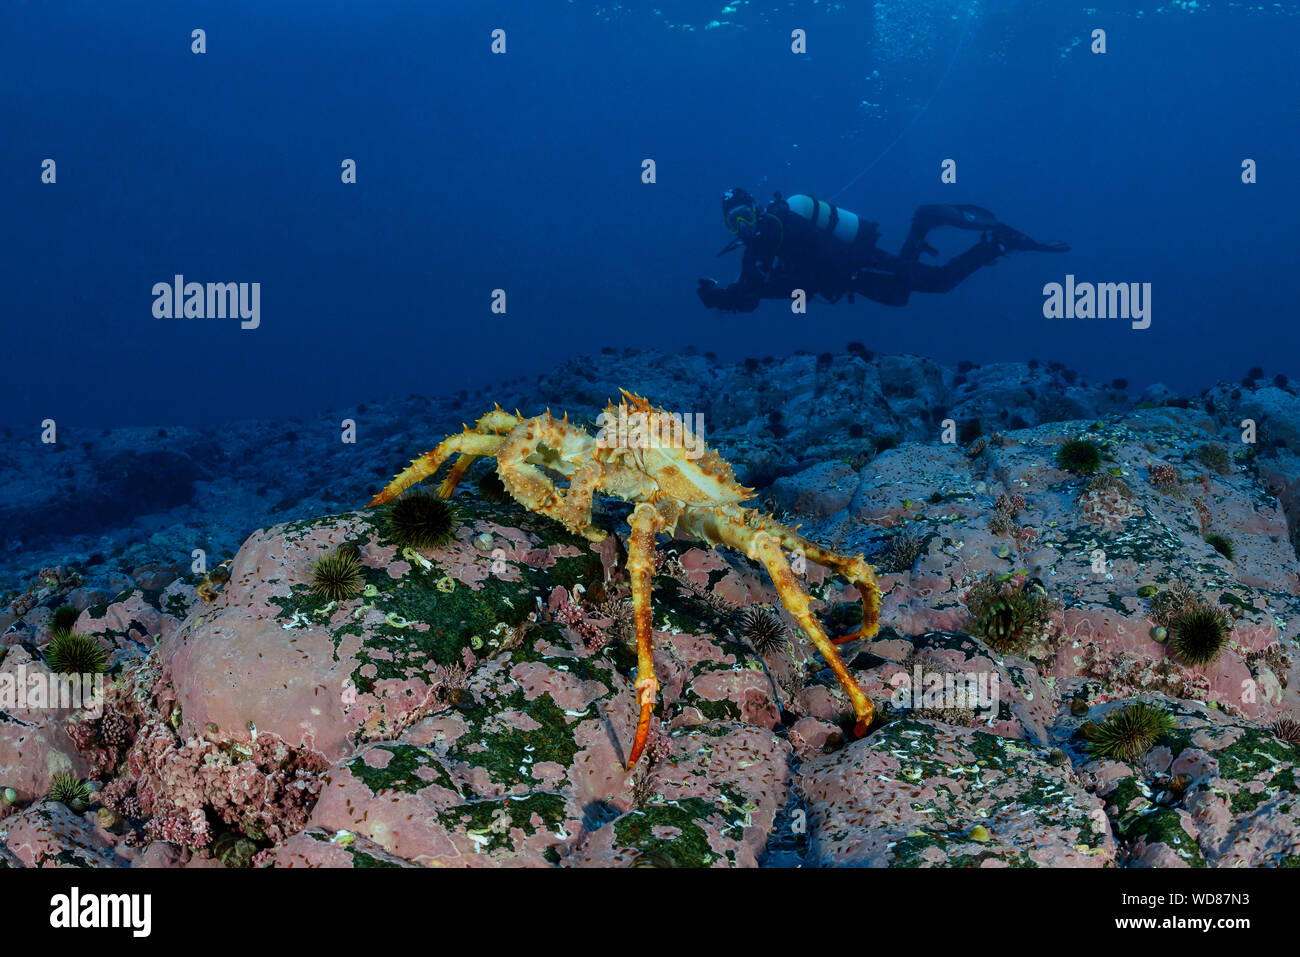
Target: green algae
(689, 848)
(402, 771)
(492, 820)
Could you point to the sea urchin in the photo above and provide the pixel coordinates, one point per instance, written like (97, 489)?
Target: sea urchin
(763, 629)
(1221, 544)
(421, 520)
(1198, 635)
(68, 789)
(1287, 729)
(1129, 732)
(337, 576)
(72, 653)
(1079, 456)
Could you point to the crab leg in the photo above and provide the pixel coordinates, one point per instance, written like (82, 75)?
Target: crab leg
(646, 523)
(467, 443)
(764, 545)
(855, 570)
(456, 473)
(766, 549)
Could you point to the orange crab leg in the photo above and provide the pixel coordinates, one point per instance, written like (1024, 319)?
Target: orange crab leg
(767, 551)
(467, 443)
(646, 523)
(854, 570)
(761, 540)
(454, 476)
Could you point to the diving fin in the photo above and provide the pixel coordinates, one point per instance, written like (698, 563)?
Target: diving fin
(1014, 239)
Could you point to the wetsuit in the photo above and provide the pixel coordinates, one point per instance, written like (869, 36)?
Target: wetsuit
(787, 251)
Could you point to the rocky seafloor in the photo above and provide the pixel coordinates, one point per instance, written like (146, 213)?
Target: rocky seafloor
(474, 704)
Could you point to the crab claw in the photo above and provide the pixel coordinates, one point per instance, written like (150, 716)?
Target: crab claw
(646, 689)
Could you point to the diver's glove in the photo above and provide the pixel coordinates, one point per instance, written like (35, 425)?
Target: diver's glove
(709, 293)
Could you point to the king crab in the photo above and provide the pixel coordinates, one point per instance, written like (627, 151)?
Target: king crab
(680, 488)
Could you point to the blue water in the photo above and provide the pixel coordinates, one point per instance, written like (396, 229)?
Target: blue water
(523, 172)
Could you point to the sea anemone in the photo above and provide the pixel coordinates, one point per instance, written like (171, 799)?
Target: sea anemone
(337, 576)
(1005, 617)
(68, 789)
(1127, 733)
(1079, 456)
(492, 489)
(1198, 636)
(1287, 729)
(421, 520)
(72, 653)
(1221, 544)
(763, 629)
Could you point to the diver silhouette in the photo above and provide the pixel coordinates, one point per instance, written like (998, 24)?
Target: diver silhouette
(809, 244)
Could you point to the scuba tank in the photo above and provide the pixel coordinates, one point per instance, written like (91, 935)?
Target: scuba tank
(839, 223)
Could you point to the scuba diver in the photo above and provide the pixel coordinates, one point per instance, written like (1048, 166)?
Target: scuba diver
(809, 244)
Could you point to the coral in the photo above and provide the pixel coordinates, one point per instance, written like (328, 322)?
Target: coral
(1079, 456)
(1107, 501)
(1173, 603)
(119, 795)
(337, 576)
(1202, 514)
(1221, 544)
(1129, 732)
(1007, 616)
(1164, 478)
(68, 789)
(567, 613)
(184, 831)
(764, 630)
(103, 741)
(71, 653)
(421, 519)
(262, 788)
(1198, 636)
